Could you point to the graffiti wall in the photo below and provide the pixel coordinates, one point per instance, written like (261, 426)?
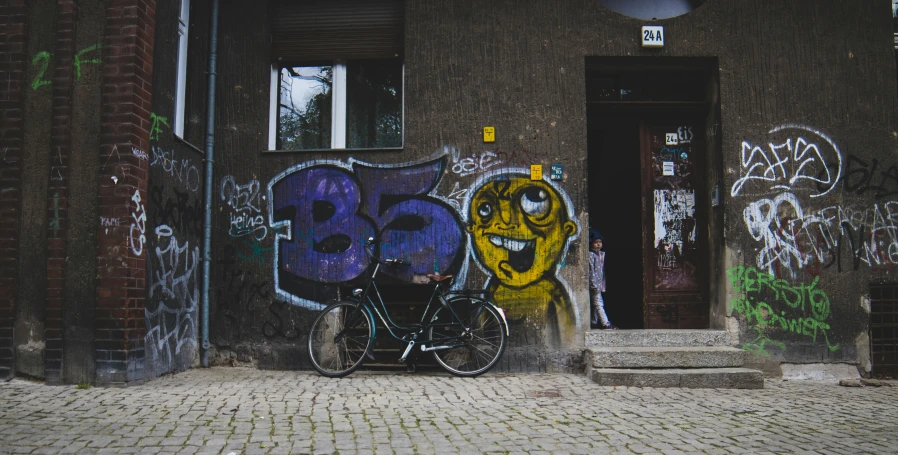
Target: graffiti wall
(797, 202)
(167, 228)
(167, 223)
(294, 243)
(817, 218)
(490, 226)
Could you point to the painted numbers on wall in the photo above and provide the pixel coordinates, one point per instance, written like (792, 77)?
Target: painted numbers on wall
(329, 209)
(245, 202)
(42, 60)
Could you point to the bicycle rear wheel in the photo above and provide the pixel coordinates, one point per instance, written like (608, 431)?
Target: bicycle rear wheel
(473, 352)
(340, 338)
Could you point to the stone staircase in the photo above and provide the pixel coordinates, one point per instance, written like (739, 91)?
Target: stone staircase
(667, 358)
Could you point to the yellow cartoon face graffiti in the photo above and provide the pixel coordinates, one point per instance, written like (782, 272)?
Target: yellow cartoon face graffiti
(519, 229)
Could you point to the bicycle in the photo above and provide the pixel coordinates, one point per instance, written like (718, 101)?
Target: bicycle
(466, 333)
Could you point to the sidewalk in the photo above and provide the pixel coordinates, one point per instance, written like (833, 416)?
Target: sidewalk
(247, 411)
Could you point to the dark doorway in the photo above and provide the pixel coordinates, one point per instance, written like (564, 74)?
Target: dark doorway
(632, 102)
(615, 208)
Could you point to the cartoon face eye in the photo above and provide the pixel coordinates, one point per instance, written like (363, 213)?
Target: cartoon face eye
(485, 209)
(535, 201)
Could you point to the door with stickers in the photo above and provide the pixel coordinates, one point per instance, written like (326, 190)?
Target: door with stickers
(675, 228)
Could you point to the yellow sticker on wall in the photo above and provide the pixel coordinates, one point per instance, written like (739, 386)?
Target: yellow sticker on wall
(536, 172)
(489, 134)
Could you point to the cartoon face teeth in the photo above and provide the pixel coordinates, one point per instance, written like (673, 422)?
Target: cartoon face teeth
(520, 229)
(509, 244)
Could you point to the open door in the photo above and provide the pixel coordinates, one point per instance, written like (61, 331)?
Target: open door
(674, 230)
(654, 160)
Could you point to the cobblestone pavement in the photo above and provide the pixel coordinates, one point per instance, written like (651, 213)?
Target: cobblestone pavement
(246, 411)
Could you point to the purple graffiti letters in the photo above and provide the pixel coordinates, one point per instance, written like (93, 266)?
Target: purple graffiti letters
(332, 208)
(321, 204)
(412, 226)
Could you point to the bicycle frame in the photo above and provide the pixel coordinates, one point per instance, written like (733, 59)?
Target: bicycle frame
(411, 334)
(367, 298)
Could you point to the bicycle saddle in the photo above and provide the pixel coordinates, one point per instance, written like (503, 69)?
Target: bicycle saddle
(437, 277)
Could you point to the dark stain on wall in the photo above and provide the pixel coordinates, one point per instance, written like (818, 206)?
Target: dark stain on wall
(80, 289)
(33, 222)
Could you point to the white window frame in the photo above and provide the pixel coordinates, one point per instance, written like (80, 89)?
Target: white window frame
(338, 106)
(181, 85)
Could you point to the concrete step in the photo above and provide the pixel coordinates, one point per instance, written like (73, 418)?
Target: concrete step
(653, 338)
(691, 378)
(664, 357)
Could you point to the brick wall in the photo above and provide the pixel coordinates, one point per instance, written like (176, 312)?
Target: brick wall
(58, 194)
(12, 73)
(121, 267)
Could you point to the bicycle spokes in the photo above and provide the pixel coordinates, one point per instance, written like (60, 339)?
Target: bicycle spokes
(477, 339)
(340, 339)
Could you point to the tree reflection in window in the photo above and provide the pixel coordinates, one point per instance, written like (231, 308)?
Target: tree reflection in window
(304, 114)
(374, 104)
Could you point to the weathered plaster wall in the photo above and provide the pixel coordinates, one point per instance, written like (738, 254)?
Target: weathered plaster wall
(107, 243)
(519, 66)
(32, 276)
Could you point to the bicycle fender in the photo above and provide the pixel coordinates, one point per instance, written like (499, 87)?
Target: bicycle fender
(501, 313)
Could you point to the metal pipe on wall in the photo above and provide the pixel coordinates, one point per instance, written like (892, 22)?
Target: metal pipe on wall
(207, 186)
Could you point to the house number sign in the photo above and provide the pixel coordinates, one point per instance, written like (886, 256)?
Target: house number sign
(652, 36)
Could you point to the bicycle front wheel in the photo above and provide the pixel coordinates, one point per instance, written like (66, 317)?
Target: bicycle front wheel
(473, 351)
(340, 338)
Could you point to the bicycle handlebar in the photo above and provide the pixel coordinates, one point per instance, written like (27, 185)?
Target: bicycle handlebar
(370, 243)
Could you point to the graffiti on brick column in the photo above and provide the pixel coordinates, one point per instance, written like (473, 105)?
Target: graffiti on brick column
(776, 306)
(139, 216)
(325, 210)
(520, 231)
(174, 292)
(245, 202)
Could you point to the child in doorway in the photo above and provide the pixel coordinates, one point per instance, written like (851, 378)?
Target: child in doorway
(597, 281)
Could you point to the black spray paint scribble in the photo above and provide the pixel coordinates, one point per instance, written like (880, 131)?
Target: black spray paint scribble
(176, 212)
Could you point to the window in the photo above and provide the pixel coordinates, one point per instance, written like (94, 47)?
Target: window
(338, 80)
(181, 87)
(353, 104)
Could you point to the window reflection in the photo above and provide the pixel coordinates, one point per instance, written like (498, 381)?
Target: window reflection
(304, 111)
(374, 104)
